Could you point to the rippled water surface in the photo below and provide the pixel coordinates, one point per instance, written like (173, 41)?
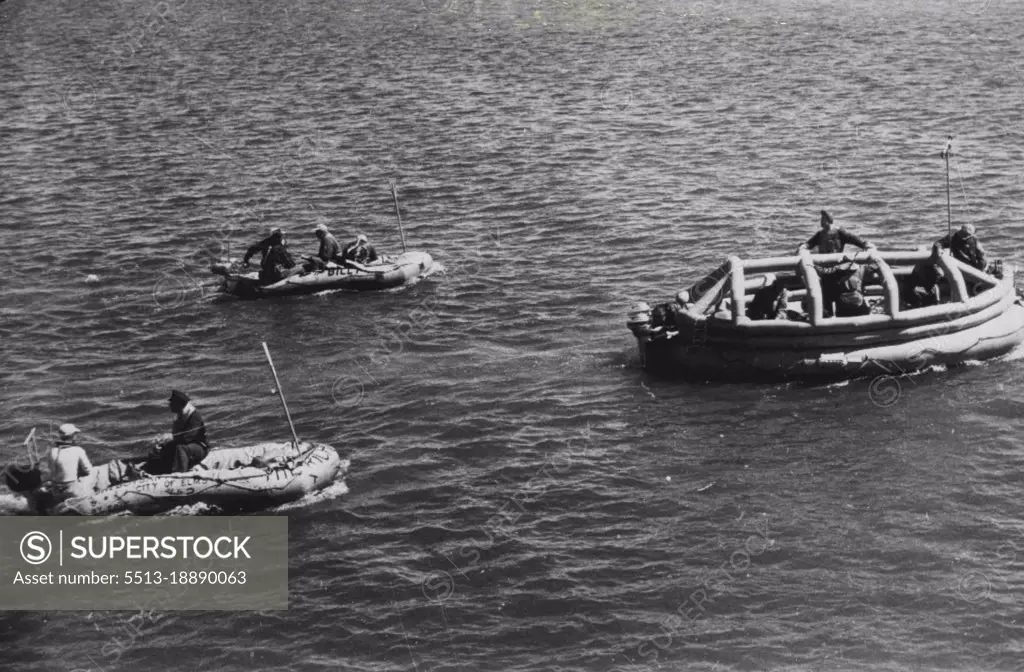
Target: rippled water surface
(522, 495)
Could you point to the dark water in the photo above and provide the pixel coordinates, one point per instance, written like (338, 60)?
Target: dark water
(522, 496)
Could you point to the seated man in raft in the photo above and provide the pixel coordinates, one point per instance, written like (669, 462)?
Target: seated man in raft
(964, 246)
(71, 473)
(330, 250)
(770, 302)
(186, 446)
(843, 285)
(921, 287)
(359, 251)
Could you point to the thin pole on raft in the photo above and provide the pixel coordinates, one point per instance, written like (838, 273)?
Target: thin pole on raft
(281, 394)
(394, 194)
(949, 207)
(34, 450)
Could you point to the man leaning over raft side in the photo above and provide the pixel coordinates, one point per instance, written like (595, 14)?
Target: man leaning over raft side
(262, 247)
(187, 446)
(277, 260)
(829, 240)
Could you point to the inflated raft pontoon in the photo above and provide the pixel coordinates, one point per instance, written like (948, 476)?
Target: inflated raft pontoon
(706, 333)
(231, 479)
(385, 273)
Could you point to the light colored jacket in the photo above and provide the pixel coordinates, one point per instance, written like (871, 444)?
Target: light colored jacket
(70, 471)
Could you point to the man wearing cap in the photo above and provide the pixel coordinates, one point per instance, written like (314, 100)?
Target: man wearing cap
(964, 246)
(70, 470)
(830, 240)
(187, 445)
(359, 251)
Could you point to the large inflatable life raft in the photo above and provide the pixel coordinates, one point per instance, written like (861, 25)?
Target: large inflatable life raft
(706, 332)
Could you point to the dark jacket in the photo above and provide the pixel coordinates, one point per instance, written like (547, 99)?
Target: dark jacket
(921, 288)
(262, 247)
(843, 277)
(843, 284)
(964, 247)
(188, 430)
(277, 259)
(835, 240)
(769, 303)
(360, 254)
(926, 274)
(187, 446)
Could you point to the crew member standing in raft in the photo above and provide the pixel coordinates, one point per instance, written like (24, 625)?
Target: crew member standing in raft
(830, 240)
(187, 445)
(262, 247)
(277, 262)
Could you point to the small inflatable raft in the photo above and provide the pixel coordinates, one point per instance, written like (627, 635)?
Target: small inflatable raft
(706, 333)
(231, 479)
(385, 273)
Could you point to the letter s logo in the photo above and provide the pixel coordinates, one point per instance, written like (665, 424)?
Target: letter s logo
(36, 548)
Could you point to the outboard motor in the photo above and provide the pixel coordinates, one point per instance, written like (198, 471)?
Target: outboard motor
(996, 268)
(23, 479)
(222, 267)
(639, 319)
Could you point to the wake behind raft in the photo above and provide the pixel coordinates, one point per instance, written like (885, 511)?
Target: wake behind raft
(231, 479)
(706, 333)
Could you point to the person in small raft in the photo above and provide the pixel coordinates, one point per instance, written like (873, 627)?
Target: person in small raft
(829, 240)
(329, 252)
(186, 445)
(71, 473)
(360, 251)
(921, 288)
(842, 287)
(770, 302)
